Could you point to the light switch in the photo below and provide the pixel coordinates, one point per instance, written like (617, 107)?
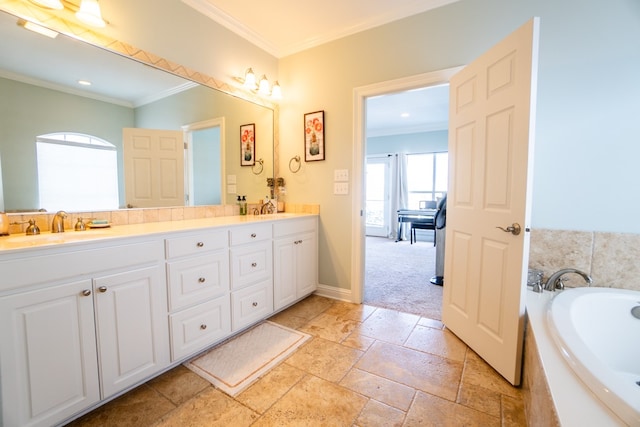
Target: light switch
(231, 189)
(341, 175)
(231, 179)
(340, 188)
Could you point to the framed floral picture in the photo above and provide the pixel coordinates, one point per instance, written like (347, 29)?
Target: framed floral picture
(248, 145)
(314, 136)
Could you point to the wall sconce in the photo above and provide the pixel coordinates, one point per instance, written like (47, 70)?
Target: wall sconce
(89, 13)
(261, 86)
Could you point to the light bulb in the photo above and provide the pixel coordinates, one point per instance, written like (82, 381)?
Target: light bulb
(276, 91)
(250, 79)
(264, 85)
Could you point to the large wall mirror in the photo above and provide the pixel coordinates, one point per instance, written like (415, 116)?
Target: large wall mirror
(40, 95)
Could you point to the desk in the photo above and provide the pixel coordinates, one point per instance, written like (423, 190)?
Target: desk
(408, 215)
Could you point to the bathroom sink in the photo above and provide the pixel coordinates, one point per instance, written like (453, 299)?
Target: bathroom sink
(52, 238)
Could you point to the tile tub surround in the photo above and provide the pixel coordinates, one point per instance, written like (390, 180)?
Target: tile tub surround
(351, 373)
(143, 215)
(610, 258)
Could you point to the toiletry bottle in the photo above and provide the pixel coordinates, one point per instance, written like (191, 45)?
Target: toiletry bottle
(239, 203)
(243, 205)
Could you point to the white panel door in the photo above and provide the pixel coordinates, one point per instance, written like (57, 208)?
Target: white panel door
(492, 104)
(49, 365)
(153, 167)
(133, 334)
(378, 200)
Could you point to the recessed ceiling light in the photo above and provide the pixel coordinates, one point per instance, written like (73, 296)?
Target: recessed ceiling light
(84, 82)
(405, 115)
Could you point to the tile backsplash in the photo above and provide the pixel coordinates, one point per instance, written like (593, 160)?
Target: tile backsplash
(19, 222)
(612, 259)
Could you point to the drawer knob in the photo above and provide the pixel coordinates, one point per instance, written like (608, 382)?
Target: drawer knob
(254, 264)
(202, 280)
(203, 326)
(253, 235)
(102, 289)
(255, 304)
(200, 244)
(86, 292)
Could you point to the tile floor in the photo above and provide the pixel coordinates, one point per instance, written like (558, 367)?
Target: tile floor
(364, 366)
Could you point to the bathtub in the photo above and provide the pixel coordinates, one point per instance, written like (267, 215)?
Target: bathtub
(574, 403)
(599, 338)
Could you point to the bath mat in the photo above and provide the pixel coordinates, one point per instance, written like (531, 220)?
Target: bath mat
(236, 364)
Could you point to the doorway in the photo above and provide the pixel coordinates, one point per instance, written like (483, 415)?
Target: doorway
(362, 134)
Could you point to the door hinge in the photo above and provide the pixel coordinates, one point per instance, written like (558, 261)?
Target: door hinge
(186, 146)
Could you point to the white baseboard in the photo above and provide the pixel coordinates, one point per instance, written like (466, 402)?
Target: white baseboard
(333, 292)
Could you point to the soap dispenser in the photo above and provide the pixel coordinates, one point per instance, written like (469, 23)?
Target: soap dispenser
(243, 205)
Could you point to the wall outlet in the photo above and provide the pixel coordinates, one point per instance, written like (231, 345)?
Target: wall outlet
(341, 175)
(340, 188)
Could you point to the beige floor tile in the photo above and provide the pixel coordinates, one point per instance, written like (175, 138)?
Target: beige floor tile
(285, 318)
(268, 389)
(480, 373)
(386, 391)
(330, 327)
(309, 307)
(423, 371)
(358, 341)
(436, 324)
(347, 310)
(314, 402)
(437, 341)
(179, 384)
(480, 398)
(389, 325)
(513, 412)
(140, 407)
(376, 414)
(210, 408)
(325, 359)
(428, 410)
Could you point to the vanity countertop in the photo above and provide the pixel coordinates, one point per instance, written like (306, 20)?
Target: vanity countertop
(22, 242)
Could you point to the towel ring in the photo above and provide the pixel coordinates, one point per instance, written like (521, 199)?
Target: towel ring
(297, 160)
(258, 162)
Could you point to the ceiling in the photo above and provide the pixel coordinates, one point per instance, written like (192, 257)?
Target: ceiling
(302, 28)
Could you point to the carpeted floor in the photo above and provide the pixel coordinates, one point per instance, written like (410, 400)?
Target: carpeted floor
(397, 277)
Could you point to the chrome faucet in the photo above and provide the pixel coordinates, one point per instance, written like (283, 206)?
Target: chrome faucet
(57, 226)
(555, 280)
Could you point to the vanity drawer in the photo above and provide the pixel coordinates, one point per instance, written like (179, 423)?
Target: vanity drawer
(197, 279)
(198, 327)
(294, 226)
(251, 263)
(196, 243)
(250, 233)
(251, 304)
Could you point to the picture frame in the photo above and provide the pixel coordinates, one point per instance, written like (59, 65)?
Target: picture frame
(248, 144)
(314, 148)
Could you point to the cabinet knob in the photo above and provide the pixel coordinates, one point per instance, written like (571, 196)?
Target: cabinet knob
(253, 235)
(203, 326)
(254, 264)
(202, 280)
(200, 244)
(86, 292)
(255, 304)
(102, 289)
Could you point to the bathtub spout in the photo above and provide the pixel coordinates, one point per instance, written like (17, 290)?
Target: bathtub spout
(555, 280)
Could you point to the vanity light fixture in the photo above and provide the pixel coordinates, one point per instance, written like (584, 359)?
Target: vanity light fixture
(90, 14)
(32, 26)
(250, 79)
(262, 86)
(49, 4)
(276, 91)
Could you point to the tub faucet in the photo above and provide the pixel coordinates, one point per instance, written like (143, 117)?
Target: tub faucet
(57, 226)
(555, 280)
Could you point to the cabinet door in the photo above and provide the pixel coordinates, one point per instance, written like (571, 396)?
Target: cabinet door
(284, 272)
(49, 365)
(306, 264)
(133, 335)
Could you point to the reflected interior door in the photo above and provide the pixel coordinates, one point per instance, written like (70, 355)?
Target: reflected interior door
(153, 167)
(378, 175)
(492, 104)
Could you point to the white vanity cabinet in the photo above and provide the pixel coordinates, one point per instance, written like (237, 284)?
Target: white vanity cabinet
(251, 274)
(295, 259)
(77, 326)
(199, 290)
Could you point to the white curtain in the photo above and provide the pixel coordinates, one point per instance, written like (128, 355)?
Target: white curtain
(399, 192)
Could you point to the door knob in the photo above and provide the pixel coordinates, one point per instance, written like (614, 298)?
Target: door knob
(514, 229)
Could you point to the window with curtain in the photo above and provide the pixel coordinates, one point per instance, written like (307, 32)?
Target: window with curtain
(427, 177)
(76, 172)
